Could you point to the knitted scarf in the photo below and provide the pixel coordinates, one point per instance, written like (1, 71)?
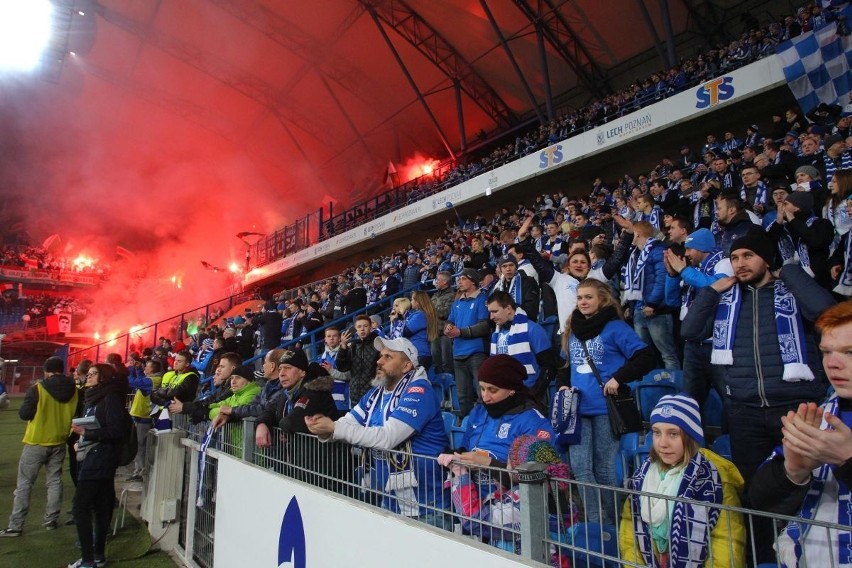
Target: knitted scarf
(514, 288)
(690, 525)
(402, 478)
(788, 323)
(708, 266)
(831, 166)
(515, 341)
(825, 547)
(632, 272)
(844, 285)
(696, 212)
(796, 252)
(760, 198)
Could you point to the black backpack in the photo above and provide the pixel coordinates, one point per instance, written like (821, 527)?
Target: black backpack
(128, 446)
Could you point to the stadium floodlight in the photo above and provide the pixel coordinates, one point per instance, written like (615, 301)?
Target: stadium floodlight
(25, 29)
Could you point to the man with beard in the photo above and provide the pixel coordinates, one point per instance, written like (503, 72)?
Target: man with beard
(763, 340)
(401, 421)
(734, 221)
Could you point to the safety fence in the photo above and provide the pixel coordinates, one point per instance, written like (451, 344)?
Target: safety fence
(542, 518)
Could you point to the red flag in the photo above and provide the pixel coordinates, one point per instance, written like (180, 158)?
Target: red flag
(52, 324)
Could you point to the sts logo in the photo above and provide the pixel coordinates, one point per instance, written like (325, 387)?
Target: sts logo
(291, 542)
(550, 156)
(714, 92)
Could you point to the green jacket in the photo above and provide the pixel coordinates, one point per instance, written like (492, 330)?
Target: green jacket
(240, 398)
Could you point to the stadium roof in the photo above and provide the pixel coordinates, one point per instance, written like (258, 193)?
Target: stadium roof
(311, 100)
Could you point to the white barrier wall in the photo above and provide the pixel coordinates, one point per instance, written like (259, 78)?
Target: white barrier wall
(264, 520)
(722, 91)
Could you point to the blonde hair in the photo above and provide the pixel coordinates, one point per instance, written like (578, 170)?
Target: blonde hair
(424, 304)
(606, 300)
(403, 303)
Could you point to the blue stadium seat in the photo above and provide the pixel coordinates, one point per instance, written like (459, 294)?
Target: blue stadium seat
(446, 382)
(440, 393)
(454, 396)
(722, 446)
(643, 451)
(674, 376)
(595, 538)
(712, 411)
(627, 448)
(648, 394)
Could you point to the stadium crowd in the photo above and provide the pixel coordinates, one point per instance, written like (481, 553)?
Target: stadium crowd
(730, 263)
(40, 258)
(697, 266)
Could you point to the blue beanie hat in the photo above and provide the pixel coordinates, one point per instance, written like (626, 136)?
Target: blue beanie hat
(680, 410)
(702, 240)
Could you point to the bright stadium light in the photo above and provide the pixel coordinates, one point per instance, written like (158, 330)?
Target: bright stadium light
(24, 33)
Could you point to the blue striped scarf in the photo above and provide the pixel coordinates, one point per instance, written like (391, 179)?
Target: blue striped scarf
(632, 272)
(514, 288)
(516, 342)
(708, 266)
(759, 198)
(788, 323)
(831, 167)
(690, 525)
(844, 285)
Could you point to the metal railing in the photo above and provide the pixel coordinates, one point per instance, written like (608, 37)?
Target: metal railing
(525, 511)
(174, 327)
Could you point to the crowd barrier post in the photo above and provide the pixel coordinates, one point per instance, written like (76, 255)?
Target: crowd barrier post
(533, 492)
(249, 424)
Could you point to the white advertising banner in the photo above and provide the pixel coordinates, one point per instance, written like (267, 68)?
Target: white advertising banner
(711, 96)
(264, 520)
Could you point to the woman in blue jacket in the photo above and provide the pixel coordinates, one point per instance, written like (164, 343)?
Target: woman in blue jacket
(417, 321)
(620, 357)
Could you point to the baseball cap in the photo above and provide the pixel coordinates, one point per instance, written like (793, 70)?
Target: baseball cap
(400, 344)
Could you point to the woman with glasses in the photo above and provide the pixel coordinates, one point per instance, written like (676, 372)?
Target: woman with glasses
(97, 457)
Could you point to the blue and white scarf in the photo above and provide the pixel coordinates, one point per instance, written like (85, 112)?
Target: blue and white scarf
(788, 323)
(760, 197)
(831, 167)
(820, 547)
(374, 402)
(206, 440)
(690, 525)
(514, 288)
(844, 285)
(632, 272)
(398, 325)
(402, 477)
(796, 252)
(708, 266)
(516, 342)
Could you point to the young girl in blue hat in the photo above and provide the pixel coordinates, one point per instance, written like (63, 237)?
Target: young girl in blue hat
(666, 533)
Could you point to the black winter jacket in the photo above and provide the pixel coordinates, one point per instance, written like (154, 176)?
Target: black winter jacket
(288, 410)
(754, 379)
(108, 406)
(360, 358)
